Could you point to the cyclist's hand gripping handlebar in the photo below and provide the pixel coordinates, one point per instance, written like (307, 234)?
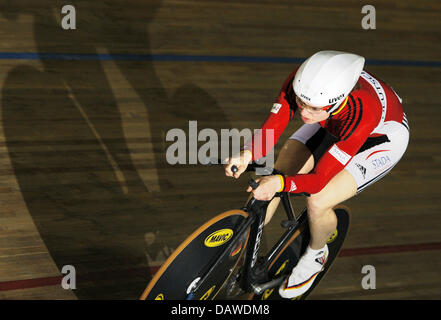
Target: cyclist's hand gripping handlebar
(253, 184)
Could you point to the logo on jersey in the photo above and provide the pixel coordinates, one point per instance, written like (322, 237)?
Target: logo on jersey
(381, 163)
(339, 154)
(380, 93)
(293, 187)
(218, 238)
(276, 107)
(362, 169)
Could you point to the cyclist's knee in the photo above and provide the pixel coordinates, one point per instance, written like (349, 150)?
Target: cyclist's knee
(318, 204)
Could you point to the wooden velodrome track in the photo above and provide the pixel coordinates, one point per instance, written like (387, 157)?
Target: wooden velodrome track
(84, 179)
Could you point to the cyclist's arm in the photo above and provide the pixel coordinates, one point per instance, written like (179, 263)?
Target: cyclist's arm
(332, 162)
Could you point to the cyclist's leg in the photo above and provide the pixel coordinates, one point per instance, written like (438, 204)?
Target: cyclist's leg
(322, 223)
(297, 156)
(368, 166)
(321, 216)
(364, 169)
(294, 157)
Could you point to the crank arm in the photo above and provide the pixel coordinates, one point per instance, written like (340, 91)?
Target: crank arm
(260, 288)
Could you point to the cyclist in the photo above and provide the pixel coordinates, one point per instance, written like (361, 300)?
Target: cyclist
(354, 132)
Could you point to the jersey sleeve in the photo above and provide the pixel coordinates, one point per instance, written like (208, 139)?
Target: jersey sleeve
(336, 157)
(282, 111)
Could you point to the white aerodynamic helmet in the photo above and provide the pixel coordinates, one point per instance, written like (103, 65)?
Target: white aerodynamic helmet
(327, 77)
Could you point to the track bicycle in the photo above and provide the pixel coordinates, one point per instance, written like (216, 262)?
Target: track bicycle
(222, 258)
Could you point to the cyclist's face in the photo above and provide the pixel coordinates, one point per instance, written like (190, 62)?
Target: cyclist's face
(311, 114)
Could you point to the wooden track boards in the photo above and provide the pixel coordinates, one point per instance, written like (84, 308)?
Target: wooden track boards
(83, 142)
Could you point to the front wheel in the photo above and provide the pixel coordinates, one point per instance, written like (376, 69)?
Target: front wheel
(191, 260)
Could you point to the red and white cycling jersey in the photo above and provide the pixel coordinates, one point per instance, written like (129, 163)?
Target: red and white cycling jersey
(360, 117)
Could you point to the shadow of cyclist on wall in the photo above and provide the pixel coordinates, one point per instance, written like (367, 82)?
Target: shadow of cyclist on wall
(68, 150)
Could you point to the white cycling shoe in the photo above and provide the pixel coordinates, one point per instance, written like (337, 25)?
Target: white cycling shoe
(304, 273)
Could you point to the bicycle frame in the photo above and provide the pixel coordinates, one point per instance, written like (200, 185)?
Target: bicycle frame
(233, 274)
(256, 273)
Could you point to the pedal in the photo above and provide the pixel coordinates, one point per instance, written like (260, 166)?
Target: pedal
(288, 223)
(260, 288)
